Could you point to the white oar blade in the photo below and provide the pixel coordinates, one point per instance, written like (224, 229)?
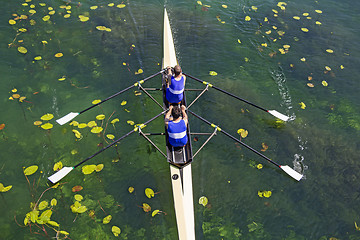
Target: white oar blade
(67, 118)
(294, 174)
(60, 174)
(278, 115)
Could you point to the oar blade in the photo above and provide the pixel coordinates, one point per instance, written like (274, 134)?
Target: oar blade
(60, 174)
(294, 174)
(278, 115)
(67, 118)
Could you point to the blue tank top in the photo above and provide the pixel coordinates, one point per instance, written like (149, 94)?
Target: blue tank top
(174, 93)
(177, 133)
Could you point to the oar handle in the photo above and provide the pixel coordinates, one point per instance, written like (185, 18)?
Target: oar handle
(228, 93)
(122, 91)
(118, 140)
(235, 139)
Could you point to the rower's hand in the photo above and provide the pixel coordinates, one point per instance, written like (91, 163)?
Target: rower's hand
(183, 107)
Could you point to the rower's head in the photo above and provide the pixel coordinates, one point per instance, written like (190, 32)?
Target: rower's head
(176, 112)
(177, 70)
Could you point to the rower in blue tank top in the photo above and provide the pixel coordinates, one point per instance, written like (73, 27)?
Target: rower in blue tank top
(175, 85)
(176, 125)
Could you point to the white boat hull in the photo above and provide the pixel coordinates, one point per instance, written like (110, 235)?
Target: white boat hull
(181, 177)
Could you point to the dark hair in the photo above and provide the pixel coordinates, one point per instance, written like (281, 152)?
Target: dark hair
(177, 70)
(176, 112)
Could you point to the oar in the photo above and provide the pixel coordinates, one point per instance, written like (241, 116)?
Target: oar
(70, 116)
(272, 112)
(294, 174)
(65, 170)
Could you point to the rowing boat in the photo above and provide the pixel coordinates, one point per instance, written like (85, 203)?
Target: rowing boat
(179, 158)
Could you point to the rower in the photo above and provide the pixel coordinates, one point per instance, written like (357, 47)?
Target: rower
(176, 125)
(175, 85)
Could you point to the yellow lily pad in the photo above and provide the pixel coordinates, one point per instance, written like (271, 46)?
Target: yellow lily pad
(130, 122)
(107, 219)
(96, 129)
(37, 123)
(310, 85)
(304, 29)
(43, 205)
(58, 55)
(99, 167)
(116, 231)
(121, 5)
(92, 124)
(302, 105)
(77, 133)
(149, 192)
(4, 189)
(110, 136)
(96, 101)
(329, 50)
(247, 18)
(213, 73)
(101, 28)
(324, 83)
(203, 201)
(88, 169)
(100, 117)
(131, 189)
(30, 170)
(82, 125)
(242, 132)
(47, 117)
(78, 197)
(58, 166)
(47, 126)
(53, 202)
(146, 207)
(114, 121)
(46, 18)
(22, 50)
(155, 212)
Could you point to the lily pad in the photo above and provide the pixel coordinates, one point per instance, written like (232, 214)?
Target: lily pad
(203, 201)
(107, 219)
(47, 117)
(88, 169)
(116, 230)
(30, 170)
(149, 192)
(96, 129)
(47, 126)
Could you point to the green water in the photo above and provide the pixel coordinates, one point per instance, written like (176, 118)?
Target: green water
(321, 141)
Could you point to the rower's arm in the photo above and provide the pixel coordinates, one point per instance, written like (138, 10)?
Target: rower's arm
(168, 117)
(168, 76)
(184, 115)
